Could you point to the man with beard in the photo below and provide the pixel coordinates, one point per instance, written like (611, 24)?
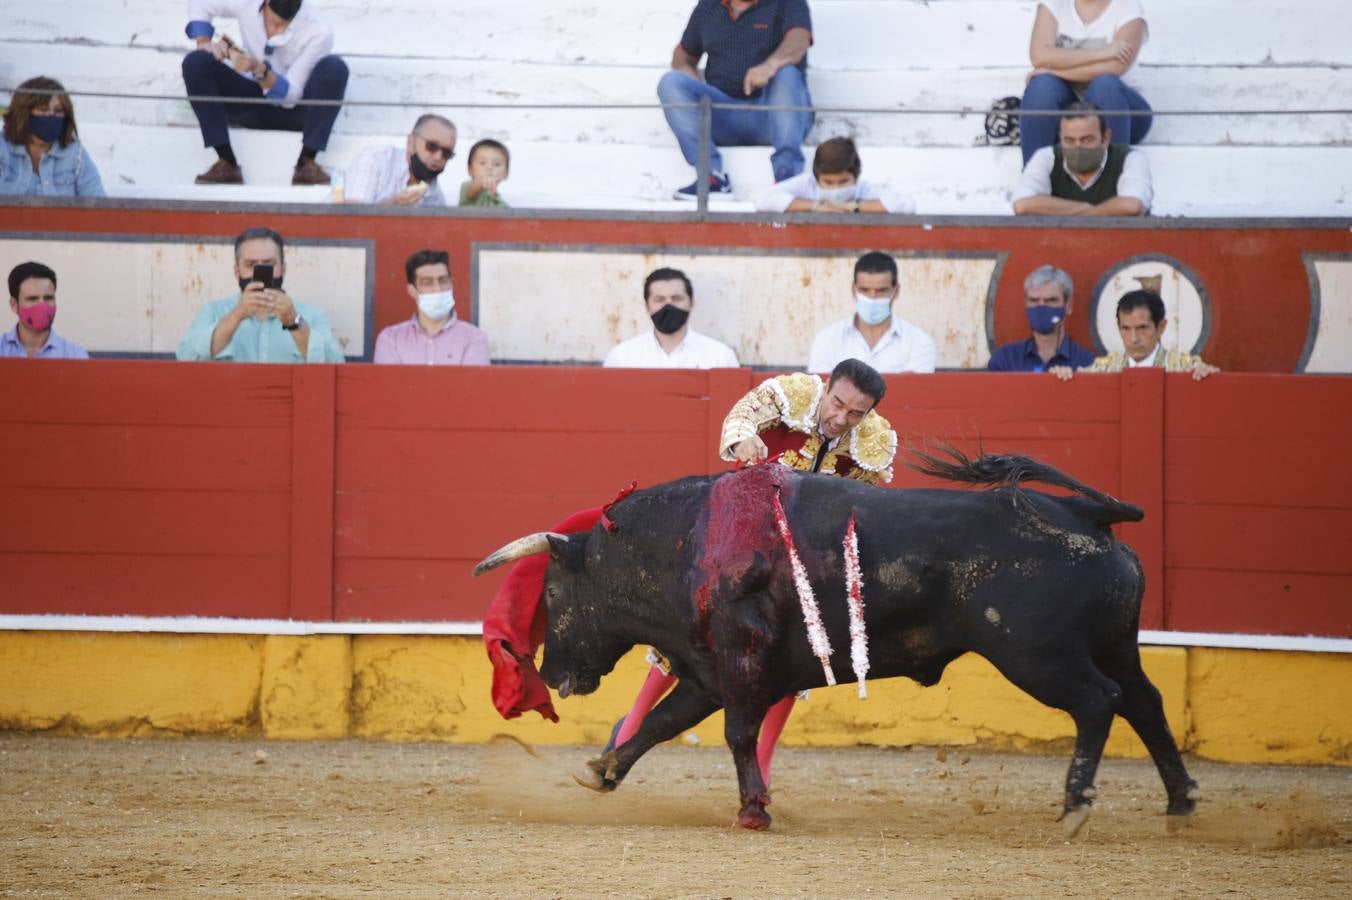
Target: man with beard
(1085, 174)
(671, 344)
(404, 176)
(262, 323)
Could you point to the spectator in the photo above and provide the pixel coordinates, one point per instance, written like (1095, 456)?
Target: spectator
(1083, 49)
(757, 57)
(873, 334)
(43, 156)
(489, 163)
(1084, 175)
(407, 176)
(1141, 322)
(1048, 296)
(672, 343)
(435, 336)
(261, 323)
(834, 185)
(32, 296)
(285, 58)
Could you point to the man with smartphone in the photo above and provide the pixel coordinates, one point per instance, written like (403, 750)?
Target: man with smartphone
(261, 323)
(284, 58)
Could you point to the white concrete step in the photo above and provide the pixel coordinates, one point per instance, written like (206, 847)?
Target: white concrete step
(138, 161)
(426, 83)
(850, 34)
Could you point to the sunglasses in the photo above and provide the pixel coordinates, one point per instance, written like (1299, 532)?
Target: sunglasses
(444, 152)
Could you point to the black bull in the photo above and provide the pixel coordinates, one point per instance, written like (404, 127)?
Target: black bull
(699, 569)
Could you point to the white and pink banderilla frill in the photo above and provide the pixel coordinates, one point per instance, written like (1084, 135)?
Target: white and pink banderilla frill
(807, 599)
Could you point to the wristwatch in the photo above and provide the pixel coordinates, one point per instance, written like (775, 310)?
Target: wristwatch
(294, 326)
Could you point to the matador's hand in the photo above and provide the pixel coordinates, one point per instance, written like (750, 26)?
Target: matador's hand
(751, 451)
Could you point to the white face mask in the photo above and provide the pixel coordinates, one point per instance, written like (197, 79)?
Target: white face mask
(437, 306)
(838, 194)
(872, 312)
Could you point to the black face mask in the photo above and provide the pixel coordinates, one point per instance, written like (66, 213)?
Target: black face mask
(245, 282)
(419, 170)
(670, 319)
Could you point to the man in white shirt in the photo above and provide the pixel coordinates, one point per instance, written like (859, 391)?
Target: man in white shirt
(404, 176)
(285, 58)
(873, 334)
(672, 343)
(834, 185)
(1085, 174)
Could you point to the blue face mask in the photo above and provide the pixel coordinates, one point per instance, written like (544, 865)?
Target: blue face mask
(870, 311)
(47, 128)
(1044, 319)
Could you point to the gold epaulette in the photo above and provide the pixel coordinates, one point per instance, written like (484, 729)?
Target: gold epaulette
(799, 395)
(873, 444)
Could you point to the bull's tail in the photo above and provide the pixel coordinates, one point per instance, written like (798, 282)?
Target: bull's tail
(1001, 470)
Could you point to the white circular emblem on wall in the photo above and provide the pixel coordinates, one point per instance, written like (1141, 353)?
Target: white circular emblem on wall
(1186, 307)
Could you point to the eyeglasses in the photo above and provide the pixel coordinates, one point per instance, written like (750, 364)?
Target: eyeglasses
(446, 153)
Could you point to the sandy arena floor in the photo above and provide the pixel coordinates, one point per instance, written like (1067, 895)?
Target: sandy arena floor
(265, 819)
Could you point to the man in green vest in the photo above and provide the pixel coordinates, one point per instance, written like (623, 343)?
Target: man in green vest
(1085, 174)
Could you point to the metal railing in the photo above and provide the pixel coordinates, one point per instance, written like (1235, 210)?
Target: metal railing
(706, 108)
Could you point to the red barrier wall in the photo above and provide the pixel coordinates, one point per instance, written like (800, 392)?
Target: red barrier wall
(1252, 271)
(367, 493)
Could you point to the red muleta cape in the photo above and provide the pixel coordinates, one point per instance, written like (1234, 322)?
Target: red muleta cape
(515, 619)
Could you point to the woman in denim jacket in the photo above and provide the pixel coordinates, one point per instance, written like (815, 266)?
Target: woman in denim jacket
(42, 156)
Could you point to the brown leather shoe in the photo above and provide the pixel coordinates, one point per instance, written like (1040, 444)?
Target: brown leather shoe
(222, 173)
(309, 172)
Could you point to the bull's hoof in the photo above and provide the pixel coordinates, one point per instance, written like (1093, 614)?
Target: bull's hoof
(593, 776)
(754, 818)
(1073, 819)
(1185, 805)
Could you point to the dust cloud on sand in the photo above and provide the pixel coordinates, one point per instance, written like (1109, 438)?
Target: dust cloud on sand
(352, 818)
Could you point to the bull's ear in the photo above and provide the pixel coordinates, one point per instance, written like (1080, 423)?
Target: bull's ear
(568, 550)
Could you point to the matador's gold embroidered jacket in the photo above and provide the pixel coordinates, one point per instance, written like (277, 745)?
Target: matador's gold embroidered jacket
(783, 411)
(1168, 360)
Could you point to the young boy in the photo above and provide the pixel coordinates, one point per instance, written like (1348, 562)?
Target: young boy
(834, 185)
(488, 165)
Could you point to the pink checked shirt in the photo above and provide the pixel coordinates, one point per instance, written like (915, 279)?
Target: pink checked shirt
(458, 344)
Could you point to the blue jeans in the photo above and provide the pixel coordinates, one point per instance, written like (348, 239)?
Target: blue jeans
(1047, 92)
(206, 76)
(785, 131)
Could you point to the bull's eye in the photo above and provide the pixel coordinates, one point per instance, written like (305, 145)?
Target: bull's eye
(551, 593)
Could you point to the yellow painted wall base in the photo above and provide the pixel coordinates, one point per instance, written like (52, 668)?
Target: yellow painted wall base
(1233, 705)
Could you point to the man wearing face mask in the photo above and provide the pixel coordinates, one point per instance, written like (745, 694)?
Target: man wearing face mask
(32, 297)
(435, 336)
(873, 334)
(671, 344)
(1084, 174)
(261, 323)
(1048, 297)
(285, 58)
(404, 176)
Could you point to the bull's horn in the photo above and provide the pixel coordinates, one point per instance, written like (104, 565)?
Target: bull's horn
(526, 546)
